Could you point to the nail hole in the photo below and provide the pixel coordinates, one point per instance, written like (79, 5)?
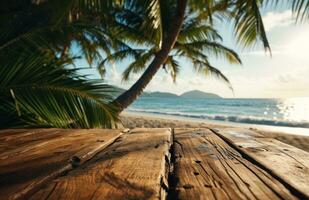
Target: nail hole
(75, 159)
(196, 173)
(208, 186)
(188, 186)
(198, 161)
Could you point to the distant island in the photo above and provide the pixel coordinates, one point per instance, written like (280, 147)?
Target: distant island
(197, 94)
(159, 94)
(194, 94)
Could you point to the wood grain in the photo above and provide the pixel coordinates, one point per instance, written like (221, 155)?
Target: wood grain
(287, 162)
(207, 168)
(34, 157)
(134, 167)
(108, 164)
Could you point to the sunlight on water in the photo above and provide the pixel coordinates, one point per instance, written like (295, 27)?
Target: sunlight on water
(292, 112)
(295, 109)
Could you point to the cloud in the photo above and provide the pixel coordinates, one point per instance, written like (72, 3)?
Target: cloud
(298, 44)
(285, 78)
(274, 20)
(294, 45)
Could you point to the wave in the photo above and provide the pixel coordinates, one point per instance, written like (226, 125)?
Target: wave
(226, 118)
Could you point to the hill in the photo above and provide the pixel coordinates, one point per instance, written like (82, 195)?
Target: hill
(118, 91)
(159, 94)
(194, 94)
(197, 94)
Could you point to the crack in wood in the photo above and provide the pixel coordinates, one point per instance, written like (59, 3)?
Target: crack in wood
(74, 162)
(239, 148)
(191, 163)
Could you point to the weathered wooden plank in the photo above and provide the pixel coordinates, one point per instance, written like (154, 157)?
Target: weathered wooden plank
(135, 167)
(208, 168)
(12, 139)
(10, 132)
(43, 154)
(287, 162)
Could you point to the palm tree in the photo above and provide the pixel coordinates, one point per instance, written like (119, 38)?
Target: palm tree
(37, 86)
(164, 20)
(196, 41)
(178, 29)
(166, 43)
(59, 27)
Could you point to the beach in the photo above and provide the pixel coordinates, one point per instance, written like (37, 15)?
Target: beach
(287, 135)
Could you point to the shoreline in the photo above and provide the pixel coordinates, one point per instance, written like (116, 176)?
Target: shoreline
(293, 136)
(282, 129)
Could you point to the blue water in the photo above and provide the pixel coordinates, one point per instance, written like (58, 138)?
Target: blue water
(292, 112)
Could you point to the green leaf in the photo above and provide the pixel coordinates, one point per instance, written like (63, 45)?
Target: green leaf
(48, 94)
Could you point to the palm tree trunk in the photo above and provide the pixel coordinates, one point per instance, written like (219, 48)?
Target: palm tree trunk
(129, 96)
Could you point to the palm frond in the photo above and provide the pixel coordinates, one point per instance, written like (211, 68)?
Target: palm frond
(138, 65)
(301, 8)
(155, 19)
(173, 66)
(249, 26)
(46, 93)
(127, 53)
(204, 67)
(194, 32)
(200, 48)
(219, 51)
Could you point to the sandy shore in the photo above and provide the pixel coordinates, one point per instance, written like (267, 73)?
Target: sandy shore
(132, 120)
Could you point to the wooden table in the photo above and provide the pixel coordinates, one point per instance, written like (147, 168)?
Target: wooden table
(149, 164)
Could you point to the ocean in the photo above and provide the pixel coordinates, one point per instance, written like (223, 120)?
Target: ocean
(292, 112)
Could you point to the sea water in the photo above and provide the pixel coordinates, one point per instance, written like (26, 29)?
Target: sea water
(292, 112)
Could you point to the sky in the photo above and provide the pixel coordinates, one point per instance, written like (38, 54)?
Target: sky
(282, 75)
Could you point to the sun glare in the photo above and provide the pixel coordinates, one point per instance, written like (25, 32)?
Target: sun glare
(295, 109)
